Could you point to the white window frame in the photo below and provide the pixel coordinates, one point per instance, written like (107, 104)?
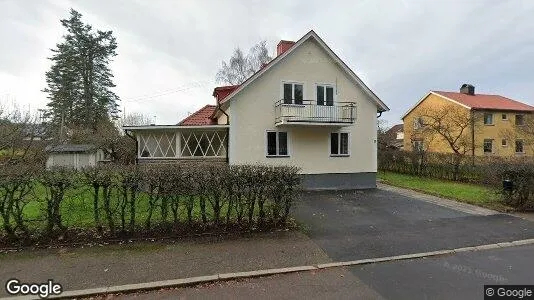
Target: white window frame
(492, 120)
(339, 143)
(418, 123)
(325, 85)
(416, 148)
(277, 148)
(293, 83)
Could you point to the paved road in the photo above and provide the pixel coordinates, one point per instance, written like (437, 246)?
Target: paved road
(377, 223)
(459, 276)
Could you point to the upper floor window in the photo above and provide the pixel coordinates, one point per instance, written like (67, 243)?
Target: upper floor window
(277, 143)
(339, 144)
(325, 95)
(519, 120)
(293, 93)
(418, 123)
(488, 119)
(504, 117)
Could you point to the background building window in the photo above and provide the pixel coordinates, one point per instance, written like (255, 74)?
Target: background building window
(339, 143)
(488, 146)
(519, 120)
(418, 146)
(277, 143)
(519, 146)
(418, 123)
(488, 119)
(504, 143)
(504, 117)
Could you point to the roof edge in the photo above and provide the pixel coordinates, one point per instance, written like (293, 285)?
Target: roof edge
(312, 34)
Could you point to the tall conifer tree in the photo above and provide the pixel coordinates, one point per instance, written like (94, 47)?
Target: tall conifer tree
(80, 80)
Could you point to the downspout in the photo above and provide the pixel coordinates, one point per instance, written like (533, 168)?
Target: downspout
(136, 145)
(379, 114)
(472, 137)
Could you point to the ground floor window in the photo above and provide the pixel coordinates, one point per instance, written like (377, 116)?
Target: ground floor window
(417, 146)
(277, 144)
(157, 144)
(519, 146)
(488, 146)
(203, 144)
(339, 143)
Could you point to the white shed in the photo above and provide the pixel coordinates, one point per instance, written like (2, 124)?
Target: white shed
(76, 156)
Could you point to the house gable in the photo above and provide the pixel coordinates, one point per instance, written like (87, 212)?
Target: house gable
(381, 106)
(252, 114)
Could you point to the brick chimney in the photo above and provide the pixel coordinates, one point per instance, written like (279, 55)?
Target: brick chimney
(467, 89)
(283, 46)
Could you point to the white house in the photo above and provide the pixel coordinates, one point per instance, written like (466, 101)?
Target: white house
(75, 156)
(305, 108)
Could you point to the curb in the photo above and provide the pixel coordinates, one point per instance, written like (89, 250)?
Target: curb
(440, 201)
(184, 282)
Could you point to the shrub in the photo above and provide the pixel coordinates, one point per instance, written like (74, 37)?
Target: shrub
(521, 175)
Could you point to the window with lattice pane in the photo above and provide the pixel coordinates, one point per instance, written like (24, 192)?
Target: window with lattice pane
(157, 144)
(203, 144)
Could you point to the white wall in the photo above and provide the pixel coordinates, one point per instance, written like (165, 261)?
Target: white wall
(72, 160)
(252, 113)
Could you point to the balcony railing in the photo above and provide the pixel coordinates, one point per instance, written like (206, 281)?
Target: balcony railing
(308, 112)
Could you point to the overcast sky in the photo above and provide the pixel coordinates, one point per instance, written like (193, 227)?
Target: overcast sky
(169, 50)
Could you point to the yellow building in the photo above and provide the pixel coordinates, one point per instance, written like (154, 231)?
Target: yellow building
(473, 124)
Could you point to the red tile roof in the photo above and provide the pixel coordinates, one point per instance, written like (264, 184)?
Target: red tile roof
(200, 117)
(221, 92)
(482, 101)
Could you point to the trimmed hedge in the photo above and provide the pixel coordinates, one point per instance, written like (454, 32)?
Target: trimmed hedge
(139, 200)
(489, 171)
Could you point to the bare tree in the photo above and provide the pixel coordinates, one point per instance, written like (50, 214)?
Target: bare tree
(454, 125)
(240, 66)
(383, 139)
(134, 119)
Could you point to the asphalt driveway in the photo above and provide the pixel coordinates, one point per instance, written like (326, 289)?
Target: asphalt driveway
(375, 223)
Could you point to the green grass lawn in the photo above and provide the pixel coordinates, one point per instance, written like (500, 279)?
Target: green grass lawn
(469, 193)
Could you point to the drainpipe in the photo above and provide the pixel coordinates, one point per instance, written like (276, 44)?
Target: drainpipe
(218, 107)
(379, 114)
(472, 137)
(136, 146)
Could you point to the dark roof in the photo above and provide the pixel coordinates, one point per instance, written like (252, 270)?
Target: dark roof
(72, 148)
(396, 128)
(483, 101)
(200, 117)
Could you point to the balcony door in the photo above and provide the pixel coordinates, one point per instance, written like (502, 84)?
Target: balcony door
(325, 95)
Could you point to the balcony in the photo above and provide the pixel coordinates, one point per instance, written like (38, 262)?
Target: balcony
(309, 113)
